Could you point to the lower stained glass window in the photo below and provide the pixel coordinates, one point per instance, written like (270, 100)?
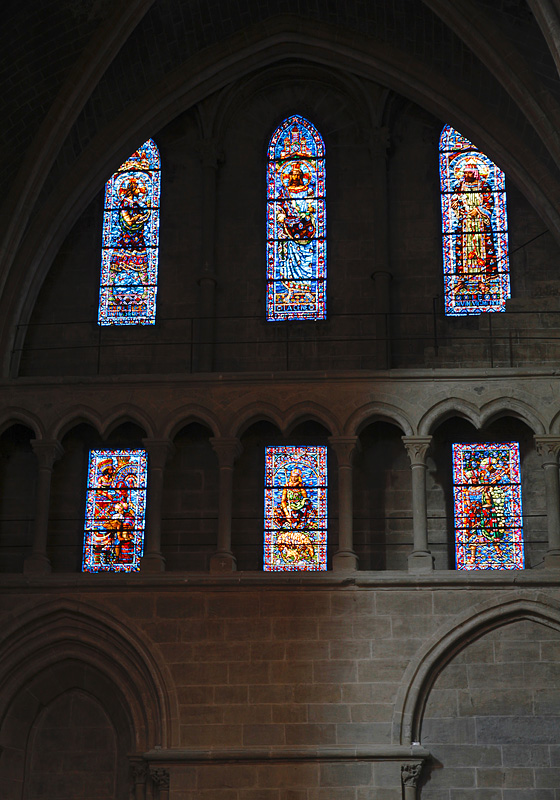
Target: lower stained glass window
(295, 508)
(487, 499)
(115, 510)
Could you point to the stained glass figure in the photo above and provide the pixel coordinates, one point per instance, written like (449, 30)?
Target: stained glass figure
(474, 225)
(296, 223)
(115, 509)
(295, 508)
(487, 498)
(129, 257)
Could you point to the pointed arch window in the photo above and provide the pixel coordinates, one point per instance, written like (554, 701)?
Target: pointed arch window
(474, 225)
(115, 510)
(296, 223)
(295, 509)
(129, 261)
(487, 504)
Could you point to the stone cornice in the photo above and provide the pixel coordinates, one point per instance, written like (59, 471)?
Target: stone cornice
(389, 579)
(388, 752)
(464, 375)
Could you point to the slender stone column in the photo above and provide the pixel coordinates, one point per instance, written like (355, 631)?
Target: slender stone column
(139, 776)
(345, 558)
(382, 281)
(379, 144)
(211, 159)
(46, 452)
(159, 451)
(548, 448)
(420, 560)
(410, 775)
(160, 778)
(227, 450)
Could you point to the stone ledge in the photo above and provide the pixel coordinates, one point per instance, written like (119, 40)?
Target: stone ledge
(389, 752)
(463, 374)
(105, 582)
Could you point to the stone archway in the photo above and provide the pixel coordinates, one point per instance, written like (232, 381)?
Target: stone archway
(500, 662)
(75, 657)
(66, 733)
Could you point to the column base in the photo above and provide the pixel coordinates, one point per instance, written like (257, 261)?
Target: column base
(420, 562)
(37, 565)
(154, 562)
(223, 562)
(552, 560)
(345, 561)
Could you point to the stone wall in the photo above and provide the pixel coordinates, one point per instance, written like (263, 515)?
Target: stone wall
(72, 751)
(383, 213)
(184, 683)
(492, 718)
(291, 687)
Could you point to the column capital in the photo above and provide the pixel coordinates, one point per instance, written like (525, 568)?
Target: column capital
(159, 452)
(417, 448)
(345, 448)
(410, 773)
(47, 451)
(160, 777)
(382, 274)
(227, 448)
(207, 277)
(210, 152)
(548, 447)
(139, 771)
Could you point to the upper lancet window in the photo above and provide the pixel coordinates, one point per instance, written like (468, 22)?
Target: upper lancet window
(474, 224)
(295, 509)
(487, 499)
(129, 261)
(296, 223)
(115, 510)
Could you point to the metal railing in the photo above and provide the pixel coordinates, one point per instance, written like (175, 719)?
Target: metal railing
(249, 343)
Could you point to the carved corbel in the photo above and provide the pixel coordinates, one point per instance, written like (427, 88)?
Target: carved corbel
(160, 779)
(410, 777)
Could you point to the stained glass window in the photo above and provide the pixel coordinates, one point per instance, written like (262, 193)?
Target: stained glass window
(296, 223)
(115, 508)
(474, 224)
(129, 258)
(295, 508)
(487, 498)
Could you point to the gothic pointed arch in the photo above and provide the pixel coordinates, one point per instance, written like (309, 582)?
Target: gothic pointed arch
(73, 653)
(37, 641)
(438, 651)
